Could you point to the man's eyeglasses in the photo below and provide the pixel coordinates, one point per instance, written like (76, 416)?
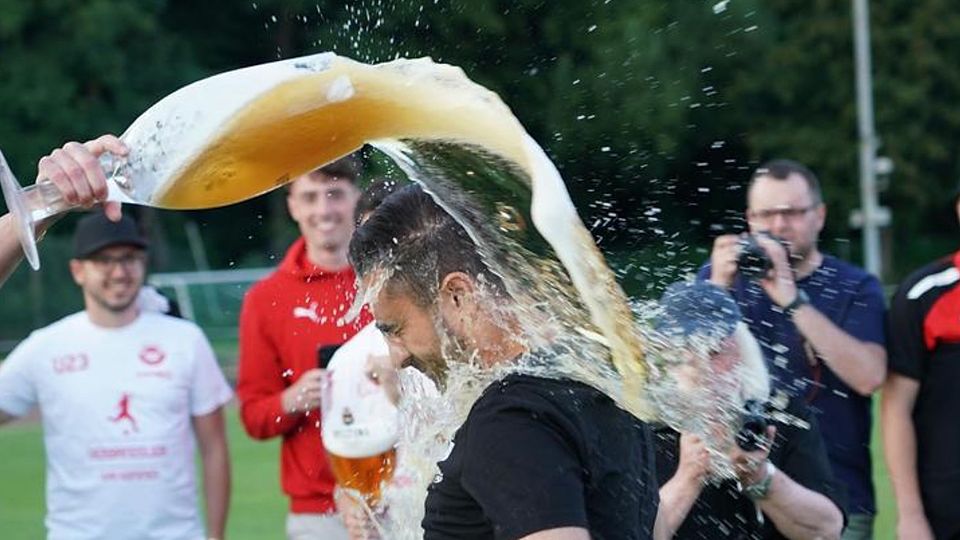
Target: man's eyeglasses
(128, 261)
(786, 212)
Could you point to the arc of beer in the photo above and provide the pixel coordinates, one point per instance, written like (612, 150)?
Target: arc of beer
(555, 216)
(239, 134)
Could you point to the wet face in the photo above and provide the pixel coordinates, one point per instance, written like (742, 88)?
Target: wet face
(111, 278)
(700, 387)
(787, 209)
(413, 331)
(323, 207)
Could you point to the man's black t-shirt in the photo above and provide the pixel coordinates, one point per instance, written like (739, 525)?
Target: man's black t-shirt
(536, 454)
(722, 511)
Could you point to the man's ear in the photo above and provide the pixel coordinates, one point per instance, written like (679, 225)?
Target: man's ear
(457, 288)
(458, 299)
(821, 217)
(76, 270)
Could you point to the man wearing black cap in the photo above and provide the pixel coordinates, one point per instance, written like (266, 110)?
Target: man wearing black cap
(719, 480)
(123, 394)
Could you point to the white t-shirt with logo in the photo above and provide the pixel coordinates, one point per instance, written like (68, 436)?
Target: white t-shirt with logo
(117, 406)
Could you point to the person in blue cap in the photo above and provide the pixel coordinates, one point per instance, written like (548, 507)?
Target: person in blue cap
(714, 378)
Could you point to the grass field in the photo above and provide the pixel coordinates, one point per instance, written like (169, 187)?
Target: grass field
(257, 511)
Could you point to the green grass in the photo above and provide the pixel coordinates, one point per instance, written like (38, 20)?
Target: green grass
(258, 508)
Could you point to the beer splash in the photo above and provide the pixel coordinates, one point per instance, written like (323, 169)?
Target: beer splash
(236, 135)
(240, 134)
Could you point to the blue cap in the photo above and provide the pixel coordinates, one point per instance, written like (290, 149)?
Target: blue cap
(697, 309)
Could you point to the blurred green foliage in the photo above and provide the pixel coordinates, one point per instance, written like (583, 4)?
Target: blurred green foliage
(655, 111)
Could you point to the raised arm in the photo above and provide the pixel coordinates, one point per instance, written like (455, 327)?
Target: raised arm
(683, 489)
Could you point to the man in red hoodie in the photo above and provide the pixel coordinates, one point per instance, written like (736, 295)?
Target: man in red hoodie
(286, 318)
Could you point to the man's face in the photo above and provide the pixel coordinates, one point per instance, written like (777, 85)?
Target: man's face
(786, 209)
(412, 331)
(323, 208)
(701, 387)
(111, 278)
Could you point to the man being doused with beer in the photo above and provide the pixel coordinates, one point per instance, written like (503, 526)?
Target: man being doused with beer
(535, 458)
(765, 472)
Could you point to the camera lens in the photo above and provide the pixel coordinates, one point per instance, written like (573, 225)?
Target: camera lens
(753, 262)
(753, 426)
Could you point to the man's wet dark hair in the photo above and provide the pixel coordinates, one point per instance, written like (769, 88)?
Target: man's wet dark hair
(373, 195)
(781, 169)
(415, 239)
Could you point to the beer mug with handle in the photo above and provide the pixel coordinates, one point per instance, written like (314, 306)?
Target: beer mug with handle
(359, 422)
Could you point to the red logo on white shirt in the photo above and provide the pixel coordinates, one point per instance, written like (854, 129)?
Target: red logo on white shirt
(152, 355)
(124, 413)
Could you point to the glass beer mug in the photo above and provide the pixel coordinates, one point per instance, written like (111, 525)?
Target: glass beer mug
(359, 422)
(218, 141)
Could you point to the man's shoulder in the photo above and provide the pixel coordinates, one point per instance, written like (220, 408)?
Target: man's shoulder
(178, 325)
(54, 333)
(537, 390)
(66, 326)
(936, 276)
(562, 403)
(276, 278)
(839, 268)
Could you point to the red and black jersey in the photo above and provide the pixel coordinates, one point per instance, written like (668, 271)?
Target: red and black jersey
(924, 344)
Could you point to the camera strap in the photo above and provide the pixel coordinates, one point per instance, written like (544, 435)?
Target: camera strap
(816, 368)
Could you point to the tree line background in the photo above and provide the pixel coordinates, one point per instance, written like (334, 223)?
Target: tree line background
(655, 111)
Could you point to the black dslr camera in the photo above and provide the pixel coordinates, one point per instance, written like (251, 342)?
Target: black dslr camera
(754, 263)
(753, 425)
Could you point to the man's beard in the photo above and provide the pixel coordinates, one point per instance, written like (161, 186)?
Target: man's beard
(114, 307)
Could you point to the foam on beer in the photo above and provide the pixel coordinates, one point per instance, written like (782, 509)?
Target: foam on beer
(236, 135)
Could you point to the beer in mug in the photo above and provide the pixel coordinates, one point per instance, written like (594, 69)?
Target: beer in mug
(359, 422)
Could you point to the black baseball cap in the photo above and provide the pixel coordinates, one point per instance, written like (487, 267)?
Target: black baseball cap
(95, 232)
(697, 309)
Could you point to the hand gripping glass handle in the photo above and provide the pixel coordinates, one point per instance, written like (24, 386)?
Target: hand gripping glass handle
(33, 204)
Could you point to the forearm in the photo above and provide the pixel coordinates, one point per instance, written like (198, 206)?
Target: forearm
(263, 417)
(10, 252)
(216, 488)
(861, 365)
(676, 499)
(801, 513)
(900, 450)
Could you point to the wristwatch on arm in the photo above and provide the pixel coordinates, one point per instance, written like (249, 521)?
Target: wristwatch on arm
(761, 488)
(798, 302)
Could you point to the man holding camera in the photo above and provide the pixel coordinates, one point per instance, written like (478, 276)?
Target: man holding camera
(819, 320)
(784, 487)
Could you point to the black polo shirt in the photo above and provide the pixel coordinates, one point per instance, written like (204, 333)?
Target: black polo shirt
(537, 454)
(924, 344)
